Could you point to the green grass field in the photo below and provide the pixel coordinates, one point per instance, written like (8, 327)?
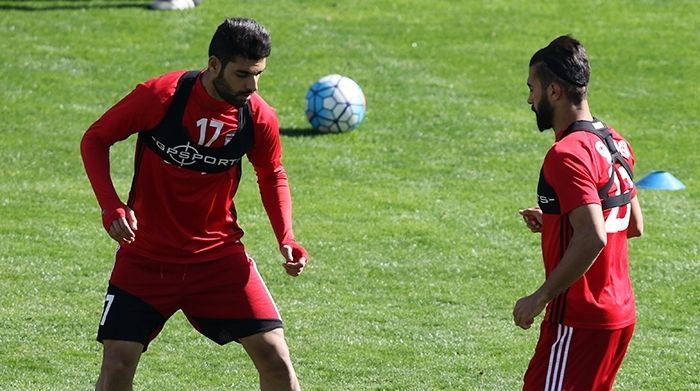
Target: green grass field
(411, 220)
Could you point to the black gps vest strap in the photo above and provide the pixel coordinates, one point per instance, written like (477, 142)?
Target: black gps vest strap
(601, 130)
(171, 141)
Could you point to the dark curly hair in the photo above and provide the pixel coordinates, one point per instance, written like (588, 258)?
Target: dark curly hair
(240, 37)
(564, 61)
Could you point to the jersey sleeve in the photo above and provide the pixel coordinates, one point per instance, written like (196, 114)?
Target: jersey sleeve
(141, 109)
(572, 177)
(266, 158)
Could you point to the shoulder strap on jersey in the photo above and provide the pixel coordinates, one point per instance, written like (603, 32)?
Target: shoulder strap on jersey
(182, 94)
(601, 130)
(171, 141)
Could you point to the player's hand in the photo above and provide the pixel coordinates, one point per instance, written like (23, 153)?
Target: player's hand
(527, 308)
(123, 229)
(532, 218)
(295, 258)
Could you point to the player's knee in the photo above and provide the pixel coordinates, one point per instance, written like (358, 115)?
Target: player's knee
(118, 368)
(270, 353)
(275, 358)
(280, 361)
(120, 360)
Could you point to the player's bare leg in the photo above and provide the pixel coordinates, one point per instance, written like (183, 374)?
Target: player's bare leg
(270, 354)
(119, 362)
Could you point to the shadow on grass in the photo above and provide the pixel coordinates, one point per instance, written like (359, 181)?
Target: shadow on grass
(57, 5)
(301, 132)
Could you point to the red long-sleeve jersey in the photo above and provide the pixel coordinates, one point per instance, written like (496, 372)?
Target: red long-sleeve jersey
(186, 216)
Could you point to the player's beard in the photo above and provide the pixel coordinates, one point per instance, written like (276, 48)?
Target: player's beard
(544, 113)
(237, 99)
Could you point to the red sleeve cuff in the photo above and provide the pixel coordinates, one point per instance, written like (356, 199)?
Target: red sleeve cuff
(297, 250)
(109, 216)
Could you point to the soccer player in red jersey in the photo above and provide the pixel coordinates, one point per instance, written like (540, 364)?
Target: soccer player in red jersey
(179, 241)
(587, 209)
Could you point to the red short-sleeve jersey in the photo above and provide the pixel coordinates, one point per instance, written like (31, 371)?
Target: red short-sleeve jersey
(574, 169)
(183, 215)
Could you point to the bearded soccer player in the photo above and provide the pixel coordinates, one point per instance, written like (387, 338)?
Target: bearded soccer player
(587, 209)
(179, 242)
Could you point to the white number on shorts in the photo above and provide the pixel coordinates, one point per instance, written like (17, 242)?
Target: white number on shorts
(108, 299)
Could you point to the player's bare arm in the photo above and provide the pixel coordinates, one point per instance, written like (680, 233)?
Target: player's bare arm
(588, 240)
(636, 225)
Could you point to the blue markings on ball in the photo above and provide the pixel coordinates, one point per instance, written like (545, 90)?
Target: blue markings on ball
(335, 103)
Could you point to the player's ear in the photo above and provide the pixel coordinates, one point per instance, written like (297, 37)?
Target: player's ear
(214, 65)
(554, 91)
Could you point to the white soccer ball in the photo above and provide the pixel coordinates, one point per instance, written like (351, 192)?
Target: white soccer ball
(335, 103)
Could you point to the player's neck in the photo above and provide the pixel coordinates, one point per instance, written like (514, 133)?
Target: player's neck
(208, 84)
(570, 114)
